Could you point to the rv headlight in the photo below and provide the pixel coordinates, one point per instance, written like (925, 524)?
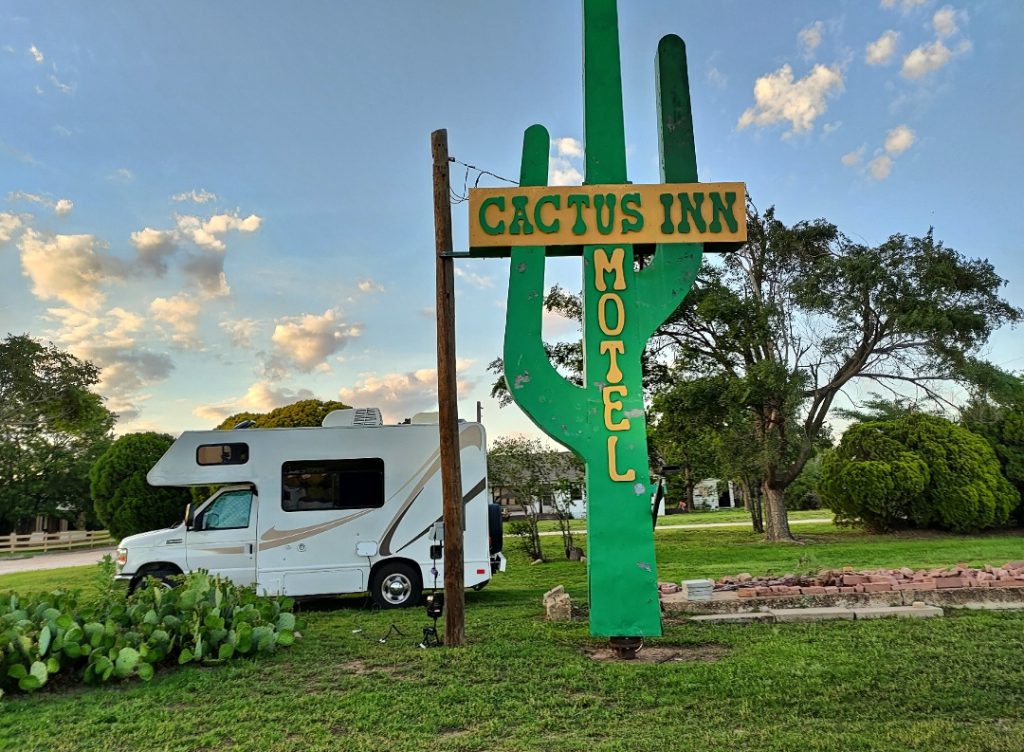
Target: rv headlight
(122, 557)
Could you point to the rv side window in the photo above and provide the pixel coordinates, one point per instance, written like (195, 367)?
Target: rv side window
(308, 485)
(222, 454)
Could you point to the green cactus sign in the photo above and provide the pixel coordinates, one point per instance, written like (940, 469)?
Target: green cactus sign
(604, 421)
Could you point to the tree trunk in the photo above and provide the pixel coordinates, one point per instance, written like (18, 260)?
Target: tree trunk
(775, 517)
(752, 502)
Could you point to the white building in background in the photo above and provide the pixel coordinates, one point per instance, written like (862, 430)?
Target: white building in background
(706, 496)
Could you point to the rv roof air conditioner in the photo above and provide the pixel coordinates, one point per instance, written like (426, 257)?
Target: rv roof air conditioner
(353, 416)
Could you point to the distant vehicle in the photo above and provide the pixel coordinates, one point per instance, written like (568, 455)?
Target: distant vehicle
(348, 507)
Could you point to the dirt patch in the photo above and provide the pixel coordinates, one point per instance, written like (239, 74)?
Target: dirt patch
(361, 668)
(707, 653)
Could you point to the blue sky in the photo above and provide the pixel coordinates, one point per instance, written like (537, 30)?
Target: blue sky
(227, 206)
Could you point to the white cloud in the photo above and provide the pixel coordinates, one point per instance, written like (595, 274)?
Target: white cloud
(60, 207)
(241, 331)
(882, 50)
(207, 233)
(810, 38)
(563, 172)
(428, 313)
(204, 268)
(566, 146)
(880, 167)
(564, 162)
(944, 22)
(34, 198)
(556, 327)
(181, 312)
(305, 342)
(121, 175)
(108, 341)
(36, 54)
(401, 395)
(60, 130)
(62, 87)
(199, 197)
(480, 281)
(899, 140)
(261, 397)
(852, 158)
(922, 60)
(9, 224)
(830, 128)
(206, 271)
(154, 247)
(781, 99)
(904, 5)
(716, 77)
(369, 285)
(70, 268)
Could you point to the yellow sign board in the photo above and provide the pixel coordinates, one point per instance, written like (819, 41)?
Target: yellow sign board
(607, 215)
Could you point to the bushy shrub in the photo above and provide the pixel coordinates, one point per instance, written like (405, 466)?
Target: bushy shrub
(917, 470)
(201, 620)
(123, 500)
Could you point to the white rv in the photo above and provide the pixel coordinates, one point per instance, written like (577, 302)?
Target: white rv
(349, 507)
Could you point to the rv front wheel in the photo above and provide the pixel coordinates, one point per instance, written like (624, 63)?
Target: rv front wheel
(395, 585)
(162, 576)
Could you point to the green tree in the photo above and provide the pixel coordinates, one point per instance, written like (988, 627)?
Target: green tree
(803, 492)
(686, 436)
(301, 414)
(52, 428)
(533, 475)
(124, 501)
(800, 313)
(918, 470)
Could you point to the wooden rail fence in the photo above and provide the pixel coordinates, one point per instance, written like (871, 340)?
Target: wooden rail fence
(54, 541)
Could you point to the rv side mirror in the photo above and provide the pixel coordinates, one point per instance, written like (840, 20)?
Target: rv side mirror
(188, 516)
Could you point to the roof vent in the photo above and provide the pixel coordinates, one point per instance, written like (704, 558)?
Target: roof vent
(359, 417)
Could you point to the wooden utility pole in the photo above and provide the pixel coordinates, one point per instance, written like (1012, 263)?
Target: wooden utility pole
(447, 400)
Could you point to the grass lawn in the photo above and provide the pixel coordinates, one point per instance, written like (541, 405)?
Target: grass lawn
(955, 683)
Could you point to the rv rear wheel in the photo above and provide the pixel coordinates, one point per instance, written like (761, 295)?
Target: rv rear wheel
(395, 585)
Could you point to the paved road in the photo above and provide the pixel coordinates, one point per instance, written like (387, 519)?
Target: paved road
(54, 561)
(93, 555)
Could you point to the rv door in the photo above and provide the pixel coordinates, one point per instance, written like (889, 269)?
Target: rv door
(223, 536)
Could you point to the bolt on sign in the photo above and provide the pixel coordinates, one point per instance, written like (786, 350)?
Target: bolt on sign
(608, 222)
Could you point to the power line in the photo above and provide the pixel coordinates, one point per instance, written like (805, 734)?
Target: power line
(458, 198)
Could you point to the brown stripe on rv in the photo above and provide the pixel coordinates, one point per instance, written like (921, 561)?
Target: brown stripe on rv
(473, 493)
(274, 537)
(469, 435)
